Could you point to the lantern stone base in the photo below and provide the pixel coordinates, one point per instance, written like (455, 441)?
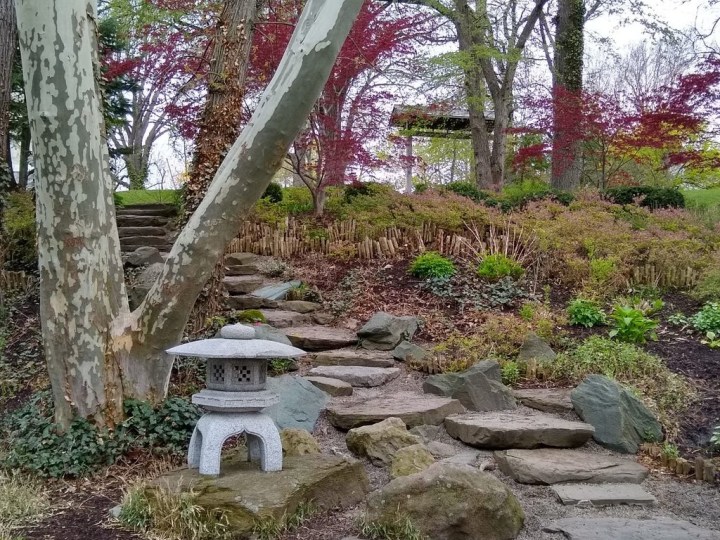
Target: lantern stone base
(248, 496)
(214, 428)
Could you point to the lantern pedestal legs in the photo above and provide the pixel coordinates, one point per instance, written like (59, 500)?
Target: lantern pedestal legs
(213, 429)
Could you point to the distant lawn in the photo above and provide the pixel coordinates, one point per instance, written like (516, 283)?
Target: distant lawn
(147, 196)
(705, 203)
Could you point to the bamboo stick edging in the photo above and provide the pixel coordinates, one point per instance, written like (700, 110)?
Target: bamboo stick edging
(15, 281)
(700, 469)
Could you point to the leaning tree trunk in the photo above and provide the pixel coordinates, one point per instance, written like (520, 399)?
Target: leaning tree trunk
(8, 37)
(220, 123)
(567, 90)
(97, 350)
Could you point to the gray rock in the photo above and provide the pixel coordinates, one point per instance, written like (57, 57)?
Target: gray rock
(144, 255)
(603, 494)
(367, 377)
(299, 306)
(354, 357)
(142, 284)
(276, 292)
(237, 331)
(279, 318)
(265, 331)
(428, 433)
(115, 511)
(241, 270)
(238, 259)
(298, 442)
(551, 466)
(466, 457)
(450, 502)
(629, 529)
(320, 338)
(622, 422)
(498, 430)
(248, 301)
(385, 331)
(379, 442)
(300, 402)
(441, 450)
(334, 387)
(242, 284)
(552, 400)
(534, 348)
(409, 352)
(322, 318)
(413, 409)
(478, 389)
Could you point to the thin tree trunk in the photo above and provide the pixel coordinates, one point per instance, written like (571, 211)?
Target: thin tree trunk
(8, 37)
(24, 164)
(567, 90)
(97, 350)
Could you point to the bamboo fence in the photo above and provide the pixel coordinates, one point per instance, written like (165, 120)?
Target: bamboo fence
(16, 281)
(700, 469)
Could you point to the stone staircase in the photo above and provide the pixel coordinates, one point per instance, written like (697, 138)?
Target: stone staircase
(146, 225)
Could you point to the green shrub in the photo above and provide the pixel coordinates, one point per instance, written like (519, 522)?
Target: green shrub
(498, 266)
(708, 288)
(602, 270)
(432, 265)
(585, 313)
(631, 325)
(18, 232)
(466, 189)
(651, 197)
(708, 318)
(510, 372)
(250, 316)
(518, 194)
(273, 193)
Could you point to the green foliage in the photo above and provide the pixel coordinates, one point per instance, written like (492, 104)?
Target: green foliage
(498, 266)
(432, 265)
(602, 269)
(510, 373)
(35, 444)
(273, 193)
(708, 288)
(466, 189)
(708, 318)
(527, 311)
(146, 196)
(280, 366)
(398, 528)
(17, 235)
(250, 316)
(650, 196)
(670, 451)
(585, 313)
(631, 325)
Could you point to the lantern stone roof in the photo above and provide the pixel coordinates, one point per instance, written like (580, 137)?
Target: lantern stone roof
(236, 348)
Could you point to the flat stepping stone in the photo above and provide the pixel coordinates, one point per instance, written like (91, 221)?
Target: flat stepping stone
(354, 357)
(320, 338)
(551, 400)
(141, 231)
(137, 210)
(548, 466)
(248, 301)
(241, 270)
(366, 377)
(141, 221)
(334, 387)
(504, 429)
(277, 291)
(413, 409)
(242, 284)
(139, 241)
(280, 318)
(629, 529)
(603, 494)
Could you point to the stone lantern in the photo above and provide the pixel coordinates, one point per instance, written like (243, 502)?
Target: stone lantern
(236, 376)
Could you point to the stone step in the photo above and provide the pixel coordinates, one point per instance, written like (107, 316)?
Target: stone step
(655, 528)
(363, 376)
(320, 338)
(549, 466)
(512, 429)
(241, 270)
(242, 284)
(285, 319)
(248, 301)
(165, 211)
(334, 387)
(132, 220)
(140, 241)
(551, 400)
(602, 494)
(354, 357)
(142, 231)
(413, 409)
(277, 291)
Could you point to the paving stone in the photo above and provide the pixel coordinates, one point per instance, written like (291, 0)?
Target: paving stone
(320, 338)
(352, 356)
(278, 291)
(502, 429)
(551, 400)
(248, 301)
(300, 306)
(552, 466)
(603, 494)
(367, 377)
(124, 232)
(629, 529)
(413, 409)
(279, 318)
(334, 387)
(242, 284)
(241, 270)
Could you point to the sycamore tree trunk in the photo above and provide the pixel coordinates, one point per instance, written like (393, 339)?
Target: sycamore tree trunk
(567, 90)
(97, 350)
(8, 36)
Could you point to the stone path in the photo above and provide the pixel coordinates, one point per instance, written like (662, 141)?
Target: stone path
(551, 400)
(602, 494)
(334, 387)
(354, 357)
(363, 376)
(629, 529)
(145, 225)
(320, 338)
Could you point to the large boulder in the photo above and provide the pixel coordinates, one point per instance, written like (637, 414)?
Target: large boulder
(385, 331)
(621, 421)
(379, 442)
(144, 255)
(534, 348)
(478, 389)
(300, 402)
(450, 502)
(410, 460)
(410, 353)
(141, 285)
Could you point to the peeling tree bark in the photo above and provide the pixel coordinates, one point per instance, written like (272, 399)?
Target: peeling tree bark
(97, 350)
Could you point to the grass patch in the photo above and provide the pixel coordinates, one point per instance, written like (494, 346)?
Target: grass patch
(270, 528)
(22, 501)
(399, 528)
(147, 196)
(705, 204)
